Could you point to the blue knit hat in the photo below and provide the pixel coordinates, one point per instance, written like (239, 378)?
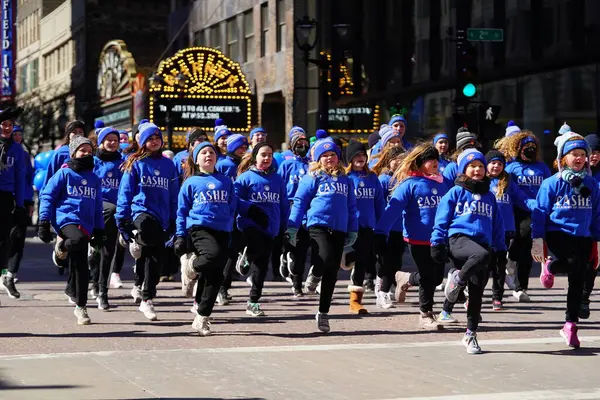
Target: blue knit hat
(256, 130)
(321, 134)
(99, 124)
(593, 141)
(438, 137)
(384, 129)
(17, 128)
(104, 132)
(323, 146)
(511, 129)
(467, 157)
(396, 118)
(235, 141)
(200, 147)
(389, 135)
(146, 130)
(294, 130)
(221, 131)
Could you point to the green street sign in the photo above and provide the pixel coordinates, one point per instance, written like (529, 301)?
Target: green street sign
(485, 35)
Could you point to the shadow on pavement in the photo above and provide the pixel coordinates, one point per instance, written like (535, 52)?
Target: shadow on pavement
(582, 351)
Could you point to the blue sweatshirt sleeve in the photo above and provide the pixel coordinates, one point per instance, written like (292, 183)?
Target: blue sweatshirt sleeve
(28, 179)
(53, 166)
(48, 197)
(519, 198)
(379, 201)
(542, 210)
(443, 218)
(99, 218)
(184, 205)
(20, 177)
(393, 211)
(352, 210)
(595, 228)
(450, 172)
(173, 194)
(498, 233)
(284, 204)
(127, 188)
(307, 189)
(240, 189)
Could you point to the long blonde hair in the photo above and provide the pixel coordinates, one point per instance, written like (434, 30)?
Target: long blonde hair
(383, 164)
(409, 162)
(140, 154)
(316, 168)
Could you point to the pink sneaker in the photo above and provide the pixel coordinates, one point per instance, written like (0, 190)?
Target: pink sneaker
(569, 333)
(546, 277)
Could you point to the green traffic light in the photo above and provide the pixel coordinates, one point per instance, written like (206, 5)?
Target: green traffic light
(469, 90)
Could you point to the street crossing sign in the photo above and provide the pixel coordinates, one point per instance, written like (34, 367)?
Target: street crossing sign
(485, 35)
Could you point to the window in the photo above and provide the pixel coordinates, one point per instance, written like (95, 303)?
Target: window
(264, 28)
(215, 37)
(22, 79)
(47, 70)
(232, 39)
(60, 65)
(34, 74)
(248, 36)
(281, 36)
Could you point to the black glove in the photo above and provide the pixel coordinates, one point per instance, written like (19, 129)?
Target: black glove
(44, 231)
(257, 215)
(585, 192)
(180, 246)
(126, 230)
(98, 238)
(439, 253)
(21, 216)
(380, 244)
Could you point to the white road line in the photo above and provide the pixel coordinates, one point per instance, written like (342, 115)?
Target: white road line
(570, 394)
(301, 348)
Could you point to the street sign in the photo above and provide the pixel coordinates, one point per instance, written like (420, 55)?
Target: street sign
(485, 35)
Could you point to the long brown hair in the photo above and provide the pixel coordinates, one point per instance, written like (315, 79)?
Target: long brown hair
(409, 162)
(390, 154)
(140, 154)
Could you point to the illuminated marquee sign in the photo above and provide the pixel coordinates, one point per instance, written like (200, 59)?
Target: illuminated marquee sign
(354, 119)
(8, 51)
(116, 71)
(198, 85)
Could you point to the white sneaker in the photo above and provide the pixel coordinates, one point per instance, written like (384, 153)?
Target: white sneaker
(135, 249)
(148, 309)
(311, 282)
(71, 300)
(115, 281)
(440, 287)
(202, 325)
(521, 296)
(58, 253)
(136, 293)
(194, 309)
(323, 322)
(82, 316)
(249, 281)
(122, 242)
(222, 299)
(189, 277)
(384, 300)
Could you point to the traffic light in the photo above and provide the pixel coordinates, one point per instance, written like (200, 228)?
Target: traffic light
(467, 74)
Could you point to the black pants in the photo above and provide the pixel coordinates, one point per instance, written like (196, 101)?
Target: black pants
(391, 262)
(572, 255)
(7, 206)
(76, 243)
(171, 263)
(18, 233)
(107, 252)
(299, 254)
(211, 248)
(235, 246)
(498, 269)
(362, 255)
(276, 256)
(327, 247)
(151, 237)
(588, 285)
(119, 259)
(520, 250)
(258, 254)
(431, 274)
(472, 259)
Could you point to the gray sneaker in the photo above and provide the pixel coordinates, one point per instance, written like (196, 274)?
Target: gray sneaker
(470, 342)
(452, 289)
(323, 322)
(7, 283)
(254, 310)
(82, 316)
(202, 325)
(311, 282)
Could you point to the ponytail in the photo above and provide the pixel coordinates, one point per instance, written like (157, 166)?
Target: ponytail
(140, 154)
(245, 164)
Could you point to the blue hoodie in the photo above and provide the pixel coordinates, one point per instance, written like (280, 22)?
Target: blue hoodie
(59, 157)
(512, 196)
(474, 215)
(14, 178)
(110, 174)
(415, 200)
(29, 174)
(206, 200)
(292, 171)
(264, 190)
(150, 187)
(179, 159)
(450, 171)
(560, 209)
(528, 176)
(370, 201)
(442, 164)
(328, 201)
(72, 198)
(228, 167)
(387, 184)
